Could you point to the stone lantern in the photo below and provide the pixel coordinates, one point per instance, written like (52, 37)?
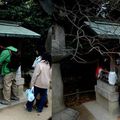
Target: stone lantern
(55, 44)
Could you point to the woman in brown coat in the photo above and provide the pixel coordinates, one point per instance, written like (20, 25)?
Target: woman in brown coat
(40, 80)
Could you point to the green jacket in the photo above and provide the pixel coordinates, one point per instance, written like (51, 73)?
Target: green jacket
(5, 58)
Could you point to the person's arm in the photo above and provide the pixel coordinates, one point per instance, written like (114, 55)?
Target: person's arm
(35, 74)
(3, 56)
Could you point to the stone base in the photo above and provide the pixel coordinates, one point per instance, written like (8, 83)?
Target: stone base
(111, 107)
(107, 97)
(67, 114)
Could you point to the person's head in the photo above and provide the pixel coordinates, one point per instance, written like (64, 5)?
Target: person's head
(11, 48)
(47, 57)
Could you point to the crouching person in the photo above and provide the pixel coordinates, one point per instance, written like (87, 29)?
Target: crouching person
(40, 81)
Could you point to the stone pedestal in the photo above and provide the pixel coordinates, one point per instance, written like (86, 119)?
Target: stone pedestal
(107, 96)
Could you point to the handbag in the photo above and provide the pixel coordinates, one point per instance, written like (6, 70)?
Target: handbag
(30, 95)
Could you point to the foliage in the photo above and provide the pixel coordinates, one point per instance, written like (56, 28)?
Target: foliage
(29, 13)
(32, 16)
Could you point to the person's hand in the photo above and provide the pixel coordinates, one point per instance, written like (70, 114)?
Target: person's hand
(32, 88)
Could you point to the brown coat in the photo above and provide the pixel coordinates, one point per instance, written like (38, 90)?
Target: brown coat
(42, 75)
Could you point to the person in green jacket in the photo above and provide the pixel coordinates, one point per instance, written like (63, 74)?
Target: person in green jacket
(9, 82)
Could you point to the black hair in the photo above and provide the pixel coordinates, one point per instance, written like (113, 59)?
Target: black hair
(47, 57)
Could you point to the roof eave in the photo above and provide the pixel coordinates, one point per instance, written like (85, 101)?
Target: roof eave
(19, 36)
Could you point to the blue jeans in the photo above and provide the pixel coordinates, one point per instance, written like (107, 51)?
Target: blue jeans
(39, 103)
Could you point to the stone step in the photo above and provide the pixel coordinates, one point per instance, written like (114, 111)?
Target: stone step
(93, 111)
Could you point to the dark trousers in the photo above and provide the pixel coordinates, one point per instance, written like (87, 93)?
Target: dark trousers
(39, 103)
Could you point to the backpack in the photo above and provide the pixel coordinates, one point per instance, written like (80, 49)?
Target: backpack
(15, 60)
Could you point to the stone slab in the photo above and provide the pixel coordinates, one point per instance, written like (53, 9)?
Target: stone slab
(67, 114)
(110, 106)
(111, 96)
(108, 87)
(98, 112)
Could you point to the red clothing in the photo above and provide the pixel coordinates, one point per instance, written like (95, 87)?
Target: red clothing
(98, 71)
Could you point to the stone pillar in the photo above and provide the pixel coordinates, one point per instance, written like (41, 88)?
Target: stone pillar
(57, 89)
(107, 96)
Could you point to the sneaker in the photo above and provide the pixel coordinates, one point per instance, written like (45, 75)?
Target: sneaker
(39, 111)
(15, 98)
(46, 105)
(27, 109)
(5, 102)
